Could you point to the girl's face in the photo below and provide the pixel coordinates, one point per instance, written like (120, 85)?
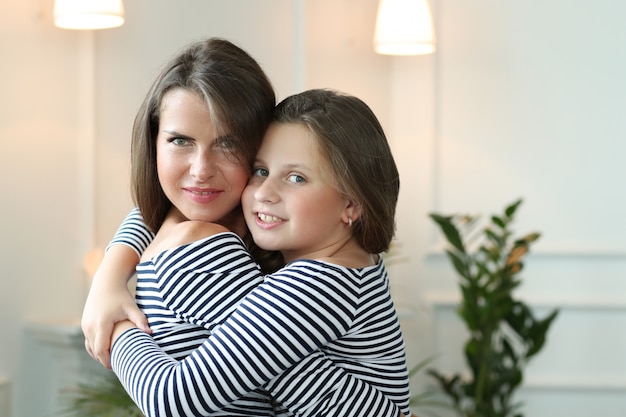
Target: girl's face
(197, 170)
(288, 204)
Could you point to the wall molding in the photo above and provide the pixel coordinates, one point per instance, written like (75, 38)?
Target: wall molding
(588, 252)
(587, 383)
(451, 299)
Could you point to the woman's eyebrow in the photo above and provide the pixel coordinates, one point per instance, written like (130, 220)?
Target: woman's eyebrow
(224, 136)
(175, 133)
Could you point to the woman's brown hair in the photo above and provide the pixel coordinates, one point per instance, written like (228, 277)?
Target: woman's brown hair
(241, 102)
(240, 99)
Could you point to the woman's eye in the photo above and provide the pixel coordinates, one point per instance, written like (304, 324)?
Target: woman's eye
(295, 178)
(225, 142)
(179, 141)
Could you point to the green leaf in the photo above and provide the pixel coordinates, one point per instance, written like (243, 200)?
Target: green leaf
(468, 310)
(531, 237)
(538, 333)
(498, 222)
(450, 231)
(510, 210)
(460, 263)
(495, 238)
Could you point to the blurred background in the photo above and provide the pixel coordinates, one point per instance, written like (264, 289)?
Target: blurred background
(521, 99)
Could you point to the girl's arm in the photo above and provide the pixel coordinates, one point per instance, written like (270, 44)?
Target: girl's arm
(316, 386)
(198, 391)
(278, 325)
(204, 280)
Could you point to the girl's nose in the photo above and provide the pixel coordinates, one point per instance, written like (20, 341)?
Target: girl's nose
(266, 191)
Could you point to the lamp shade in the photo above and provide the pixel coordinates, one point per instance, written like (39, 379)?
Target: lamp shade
(88, 14)
(404, 27)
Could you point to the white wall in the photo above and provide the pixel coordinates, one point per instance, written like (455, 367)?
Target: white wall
(42, 211)
(521, 99)
(128, 59)
(299, 44)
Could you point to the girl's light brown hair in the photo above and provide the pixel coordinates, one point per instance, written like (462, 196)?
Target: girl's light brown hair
(352, 140)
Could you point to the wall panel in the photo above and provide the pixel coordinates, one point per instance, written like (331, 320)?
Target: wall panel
(526, 101)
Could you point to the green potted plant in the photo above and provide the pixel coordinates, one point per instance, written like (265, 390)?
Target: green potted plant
(503, 332)
(102, 396)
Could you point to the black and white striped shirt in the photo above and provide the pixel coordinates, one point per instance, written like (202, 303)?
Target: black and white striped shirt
(323, 339)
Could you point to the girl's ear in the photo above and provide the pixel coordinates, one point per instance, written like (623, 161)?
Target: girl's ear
(351, 213)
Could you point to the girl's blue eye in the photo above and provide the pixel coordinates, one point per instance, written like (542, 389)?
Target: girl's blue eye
(260, 172)
(295, 178)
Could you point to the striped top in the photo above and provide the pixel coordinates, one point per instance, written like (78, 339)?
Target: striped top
(176, 336)
(323, 339)
(134, 233)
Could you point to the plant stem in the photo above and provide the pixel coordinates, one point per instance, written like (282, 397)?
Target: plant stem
(484, 355)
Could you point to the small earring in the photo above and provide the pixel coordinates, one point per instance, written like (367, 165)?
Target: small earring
(349, 221)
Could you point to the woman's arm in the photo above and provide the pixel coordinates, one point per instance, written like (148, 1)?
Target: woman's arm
(109, 299)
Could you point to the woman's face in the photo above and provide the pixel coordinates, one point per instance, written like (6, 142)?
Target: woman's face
(197, 171)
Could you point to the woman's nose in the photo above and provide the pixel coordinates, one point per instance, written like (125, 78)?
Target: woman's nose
(202, 166)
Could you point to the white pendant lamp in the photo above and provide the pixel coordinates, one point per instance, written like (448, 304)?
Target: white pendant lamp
(404, 27)
(88, 14)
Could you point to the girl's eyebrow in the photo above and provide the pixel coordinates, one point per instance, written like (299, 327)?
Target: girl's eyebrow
(287, 167)
(295, 166)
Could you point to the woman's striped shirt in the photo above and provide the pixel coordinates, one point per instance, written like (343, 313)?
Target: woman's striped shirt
(174, 334)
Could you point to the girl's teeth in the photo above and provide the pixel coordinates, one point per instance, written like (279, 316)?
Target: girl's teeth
(268, 219)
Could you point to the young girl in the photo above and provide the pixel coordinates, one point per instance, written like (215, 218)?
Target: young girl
(323, 192)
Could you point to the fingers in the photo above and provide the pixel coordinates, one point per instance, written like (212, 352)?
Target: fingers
(88, 348)
(95, 347)
(139, 319)
(98, 331)
(102, 344)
